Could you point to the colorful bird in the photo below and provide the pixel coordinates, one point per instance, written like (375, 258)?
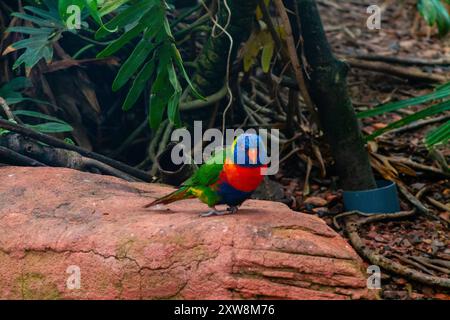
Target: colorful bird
(229, 177)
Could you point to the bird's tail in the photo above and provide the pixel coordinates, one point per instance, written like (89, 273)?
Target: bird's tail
(180, 194)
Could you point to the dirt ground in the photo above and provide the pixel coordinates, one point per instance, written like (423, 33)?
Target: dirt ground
(404, 36)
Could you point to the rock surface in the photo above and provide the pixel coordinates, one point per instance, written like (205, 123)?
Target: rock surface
(54, 221)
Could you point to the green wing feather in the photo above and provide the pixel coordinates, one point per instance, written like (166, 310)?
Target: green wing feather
(198, 186)
(209, 172)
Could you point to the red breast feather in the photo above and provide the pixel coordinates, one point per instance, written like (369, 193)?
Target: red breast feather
(245, 179)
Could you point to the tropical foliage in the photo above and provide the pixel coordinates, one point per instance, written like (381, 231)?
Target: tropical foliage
(11, 92)
(438, 136)
(154, 57)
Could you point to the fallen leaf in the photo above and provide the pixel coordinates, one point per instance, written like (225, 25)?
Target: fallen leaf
(316, 201)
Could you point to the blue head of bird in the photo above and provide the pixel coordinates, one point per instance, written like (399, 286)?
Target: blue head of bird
(249, 151)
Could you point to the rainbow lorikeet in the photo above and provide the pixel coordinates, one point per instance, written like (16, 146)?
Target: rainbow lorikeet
(229, 177)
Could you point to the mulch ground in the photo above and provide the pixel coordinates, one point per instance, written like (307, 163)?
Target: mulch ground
(421, 240)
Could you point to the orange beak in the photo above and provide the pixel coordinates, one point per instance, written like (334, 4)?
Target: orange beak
(253, 155)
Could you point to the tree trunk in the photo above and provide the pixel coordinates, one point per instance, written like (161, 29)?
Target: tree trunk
(328, 88)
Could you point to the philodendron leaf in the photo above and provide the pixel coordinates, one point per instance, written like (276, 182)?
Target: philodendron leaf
(47, 27)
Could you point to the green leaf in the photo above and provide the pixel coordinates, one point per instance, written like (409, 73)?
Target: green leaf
(111, 6)
(393, 106)
(51, 127)
(46, 15)
(173, 108)
(160, 95)
(149, 16)
(435, 12)
(438, 108)
(266, 56)
(40, 43)
(179, 62)
(95, 14)
(11, 90)
(40, 49)
(38, 115)
(93, 10)
(32, 42)
(157, 106)
(69, 141)
(174, 100)
(36, 20)
(442, 19)
(30, 30)
(18, 83)
(149, 21)
(128, 16)
(125, 38)
(439, 136)
(139, 85)
(443, 86)
(427, 10)
(132, 64)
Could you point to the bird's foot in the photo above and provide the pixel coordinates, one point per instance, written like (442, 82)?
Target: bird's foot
(215, 212)
(232, 209)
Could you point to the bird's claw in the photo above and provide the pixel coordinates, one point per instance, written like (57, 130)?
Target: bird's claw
(215, 212)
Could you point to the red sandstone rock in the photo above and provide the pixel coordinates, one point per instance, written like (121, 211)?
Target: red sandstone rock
(51, 219)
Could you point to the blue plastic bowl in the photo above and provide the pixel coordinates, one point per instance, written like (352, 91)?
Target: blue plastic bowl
(383, 199)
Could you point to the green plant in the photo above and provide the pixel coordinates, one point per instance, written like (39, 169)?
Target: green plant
(47, 29)
(11, 92)
(155, 55)
(154, 59)
(52, 124)
(440, 135)
(435, 13)
(50, 21)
